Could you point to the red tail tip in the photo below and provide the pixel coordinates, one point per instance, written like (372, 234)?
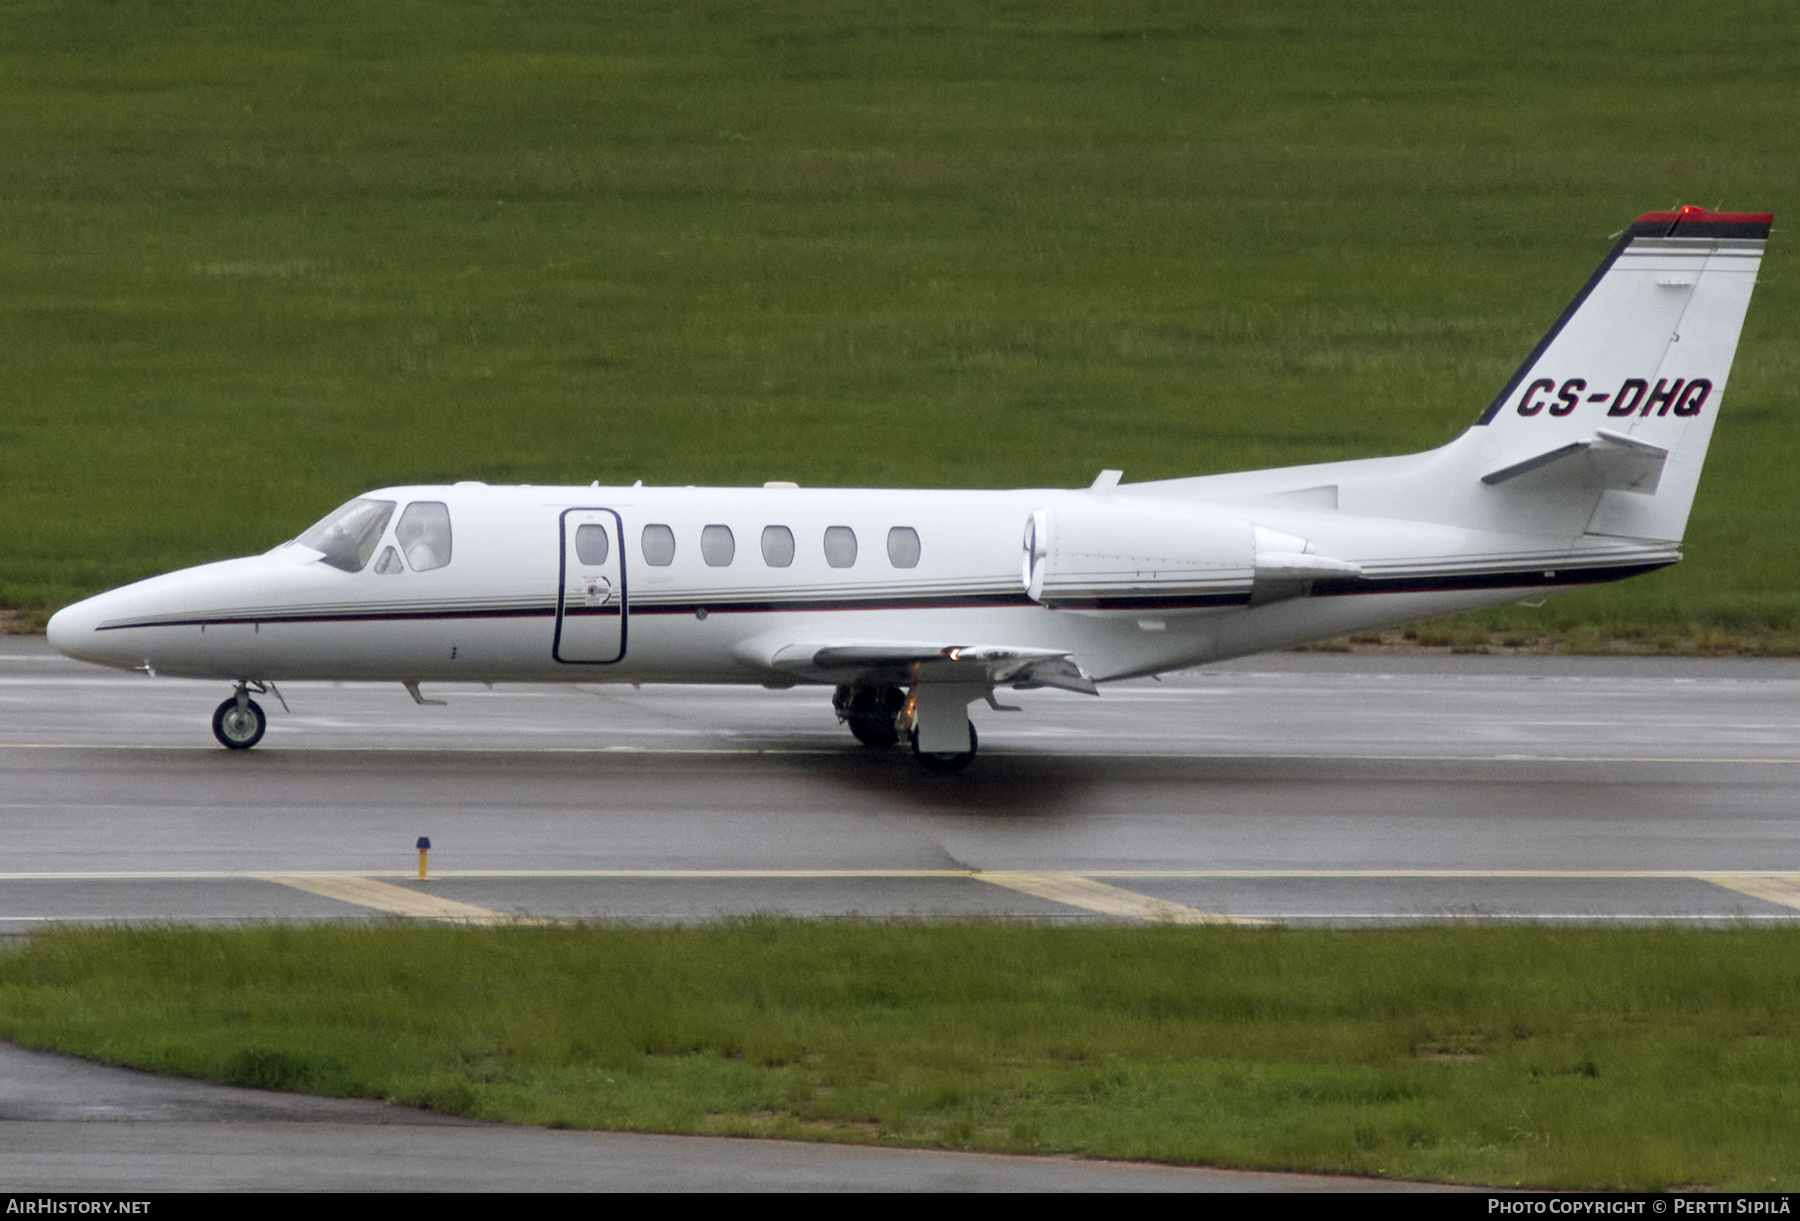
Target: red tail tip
(1688, 212)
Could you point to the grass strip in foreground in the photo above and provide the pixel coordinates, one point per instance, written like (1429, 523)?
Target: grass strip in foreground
(1634, 1058)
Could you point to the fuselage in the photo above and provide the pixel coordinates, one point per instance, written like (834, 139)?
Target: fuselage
(711, 584)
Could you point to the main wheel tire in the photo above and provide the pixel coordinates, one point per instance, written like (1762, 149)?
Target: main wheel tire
(942, 764)
(239, 728)
(871, 712)
(877, 731)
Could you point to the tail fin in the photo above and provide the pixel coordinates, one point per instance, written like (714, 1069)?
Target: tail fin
(1620, 395)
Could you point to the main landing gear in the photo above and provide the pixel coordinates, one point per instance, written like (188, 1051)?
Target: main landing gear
(940, 763)
(872, 713)
(239, 722)
(876, 713)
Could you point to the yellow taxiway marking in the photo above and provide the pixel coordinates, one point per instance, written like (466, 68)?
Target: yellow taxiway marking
(1078, 891)
(1076, 888)
(386, 897)
(224, 874)
(366, 890)
(1707, 876)
(1779, 888)
(1719, 876)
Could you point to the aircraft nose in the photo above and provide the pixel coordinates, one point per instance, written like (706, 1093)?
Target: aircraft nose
(72, 632)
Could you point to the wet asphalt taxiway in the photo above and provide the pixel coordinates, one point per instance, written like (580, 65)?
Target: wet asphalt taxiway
(1300, 787)
(1297, 787)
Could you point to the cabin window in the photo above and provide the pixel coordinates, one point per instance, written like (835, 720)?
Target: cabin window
(840, 546)
(778, 546)
(348, 536)
(659, 546)
(389, 563)
(717, 547)
(903, 547)
(591, 545)
(424, 535)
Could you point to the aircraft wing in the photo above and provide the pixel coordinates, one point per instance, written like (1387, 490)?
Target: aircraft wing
(903, 662)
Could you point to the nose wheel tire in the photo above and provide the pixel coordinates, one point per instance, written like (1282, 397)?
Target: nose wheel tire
(239, 728)
(942, 764)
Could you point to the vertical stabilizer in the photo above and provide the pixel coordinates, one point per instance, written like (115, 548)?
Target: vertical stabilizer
(1619, 397)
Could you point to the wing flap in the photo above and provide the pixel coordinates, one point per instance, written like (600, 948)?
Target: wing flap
(928, 661)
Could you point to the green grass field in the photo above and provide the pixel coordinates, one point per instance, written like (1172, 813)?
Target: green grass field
(1593, 1058)
(259, 257)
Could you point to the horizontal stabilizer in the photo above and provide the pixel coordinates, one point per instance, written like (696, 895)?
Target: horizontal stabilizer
(1606, 460)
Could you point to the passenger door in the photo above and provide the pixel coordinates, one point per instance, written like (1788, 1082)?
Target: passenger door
(590, 601)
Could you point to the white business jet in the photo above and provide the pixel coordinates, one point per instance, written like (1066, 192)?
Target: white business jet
(914, 605)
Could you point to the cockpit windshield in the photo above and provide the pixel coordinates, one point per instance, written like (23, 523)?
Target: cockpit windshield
(348, 536)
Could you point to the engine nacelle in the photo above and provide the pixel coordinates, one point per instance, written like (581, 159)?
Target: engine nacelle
(1137, 557)
(1163, 557)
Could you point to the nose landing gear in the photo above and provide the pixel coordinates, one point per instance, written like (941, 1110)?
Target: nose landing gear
(239, 722)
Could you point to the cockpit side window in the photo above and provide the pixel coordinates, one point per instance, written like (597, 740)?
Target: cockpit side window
(424, 534)
(349, 535)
